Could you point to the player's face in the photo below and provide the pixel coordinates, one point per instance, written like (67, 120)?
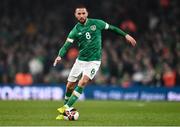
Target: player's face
(81, 14)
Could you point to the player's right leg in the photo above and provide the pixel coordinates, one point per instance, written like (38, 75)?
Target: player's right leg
(69, 89)
(73, 77)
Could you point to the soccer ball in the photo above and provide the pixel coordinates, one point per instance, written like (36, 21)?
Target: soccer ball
(71, 114)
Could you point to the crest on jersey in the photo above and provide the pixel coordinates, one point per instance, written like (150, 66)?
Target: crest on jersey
(93, 27)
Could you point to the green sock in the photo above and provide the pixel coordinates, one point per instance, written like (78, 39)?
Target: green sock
(75, 95)
(67, 96)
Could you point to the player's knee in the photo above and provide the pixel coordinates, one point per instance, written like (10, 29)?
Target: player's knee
(83, 82)
(70, 87)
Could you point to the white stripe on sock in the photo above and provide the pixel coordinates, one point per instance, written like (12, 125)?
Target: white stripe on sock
(66, 97)
(66, 106)
(76, 94)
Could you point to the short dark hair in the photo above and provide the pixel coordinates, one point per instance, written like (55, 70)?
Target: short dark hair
(80, 6)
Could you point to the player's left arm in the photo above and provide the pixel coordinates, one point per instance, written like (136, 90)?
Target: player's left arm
(117, 30)
(103, 25)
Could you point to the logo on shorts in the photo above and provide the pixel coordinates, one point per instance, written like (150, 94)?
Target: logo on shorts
(93, 27)
(92, 71)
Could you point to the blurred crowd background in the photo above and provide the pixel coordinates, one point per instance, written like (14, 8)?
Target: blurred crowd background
(32, 32)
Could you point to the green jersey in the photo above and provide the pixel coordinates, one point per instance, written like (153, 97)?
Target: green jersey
(88, 38)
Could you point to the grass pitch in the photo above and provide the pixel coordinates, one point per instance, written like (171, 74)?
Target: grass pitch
(92, 113)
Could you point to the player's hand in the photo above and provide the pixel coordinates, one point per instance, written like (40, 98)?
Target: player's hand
(130, 40)
(57, 60)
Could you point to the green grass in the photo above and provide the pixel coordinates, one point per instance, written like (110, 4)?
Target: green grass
(92, 113)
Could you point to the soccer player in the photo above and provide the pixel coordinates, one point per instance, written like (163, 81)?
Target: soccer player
(87, 34)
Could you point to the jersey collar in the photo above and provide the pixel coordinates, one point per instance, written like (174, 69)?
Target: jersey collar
(84, 23)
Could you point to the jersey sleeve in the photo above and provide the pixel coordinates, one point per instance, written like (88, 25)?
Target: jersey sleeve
(117, 30)
(72, 36)
(102, 24)
(70, 39)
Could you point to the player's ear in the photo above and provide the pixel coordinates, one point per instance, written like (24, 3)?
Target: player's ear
(75, 12)
(87, 12)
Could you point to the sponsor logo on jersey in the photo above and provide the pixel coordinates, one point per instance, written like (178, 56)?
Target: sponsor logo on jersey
(93, 27)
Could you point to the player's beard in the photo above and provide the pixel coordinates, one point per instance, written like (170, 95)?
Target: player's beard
(82, 20)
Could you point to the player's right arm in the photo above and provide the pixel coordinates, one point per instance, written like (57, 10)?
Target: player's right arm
(63, 50)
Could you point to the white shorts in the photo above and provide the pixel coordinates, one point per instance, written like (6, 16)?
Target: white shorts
(88, 68)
